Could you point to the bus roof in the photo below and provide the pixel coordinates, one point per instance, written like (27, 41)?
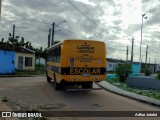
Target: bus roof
(61, 42)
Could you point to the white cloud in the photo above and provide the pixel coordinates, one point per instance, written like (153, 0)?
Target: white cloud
(117, 17)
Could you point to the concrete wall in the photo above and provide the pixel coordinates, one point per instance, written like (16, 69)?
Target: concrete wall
(146, 82)
(7, 60)
(18, 54)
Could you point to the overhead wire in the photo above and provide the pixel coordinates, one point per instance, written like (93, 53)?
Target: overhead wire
(46, 23)
(86, 16)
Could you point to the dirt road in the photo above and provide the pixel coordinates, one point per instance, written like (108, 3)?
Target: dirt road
(35, 92)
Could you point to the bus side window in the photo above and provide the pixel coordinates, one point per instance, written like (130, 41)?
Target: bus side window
(58, 55)
(49, 56)
(54, 55)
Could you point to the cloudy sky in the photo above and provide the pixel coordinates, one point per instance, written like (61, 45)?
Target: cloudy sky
(105, 20)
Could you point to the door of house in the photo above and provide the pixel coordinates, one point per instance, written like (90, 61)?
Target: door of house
(20, 63)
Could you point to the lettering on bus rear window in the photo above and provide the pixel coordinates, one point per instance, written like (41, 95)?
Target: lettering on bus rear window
(85, 49)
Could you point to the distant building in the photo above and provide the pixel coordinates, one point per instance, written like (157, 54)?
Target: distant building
(25, 59)
(111, 65)
(41, 61)
(20, 59)
(158, 68)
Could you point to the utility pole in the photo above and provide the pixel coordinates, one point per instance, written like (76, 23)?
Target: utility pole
(53, 33)
(49, 37)
(127, 54)
(145, 17)
(132, 50)
(142, 59)
(132, 47)
(146, 57)
(13, 36)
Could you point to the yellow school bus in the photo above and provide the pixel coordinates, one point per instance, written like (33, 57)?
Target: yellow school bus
(76, 62)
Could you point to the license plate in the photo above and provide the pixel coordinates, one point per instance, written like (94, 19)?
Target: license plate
(85, 75)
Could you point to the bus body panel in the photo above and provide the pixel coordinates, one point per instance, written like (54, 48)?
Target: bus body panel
(84, 57)
(80, 61)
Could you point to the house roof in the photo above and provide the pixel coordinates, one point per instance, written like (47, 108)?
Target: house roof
(9, 47)
(123, 61)
(115, 60)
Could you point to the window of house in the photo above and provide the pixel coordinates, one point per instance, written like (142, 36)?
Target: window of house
(110, 65)
(28, 61)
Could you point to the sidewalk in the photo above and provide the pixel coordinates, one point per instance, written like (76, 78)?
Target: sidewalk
(114, 89)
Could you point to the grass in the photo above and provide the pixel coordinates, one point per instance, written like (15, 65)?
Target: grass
(30, 72)
(149, 92)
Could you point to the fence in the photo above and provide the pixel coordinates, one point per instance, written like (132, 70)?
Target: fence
(145, 82)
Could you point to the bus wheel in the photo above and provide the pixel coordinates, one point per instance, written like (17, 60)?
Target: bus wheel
(48, 78)
(56, 85)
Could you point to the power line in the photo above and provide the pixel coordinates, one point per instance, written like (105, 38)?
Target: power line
(47, 23)
(70, 31)
(29, 19)
(86, 16)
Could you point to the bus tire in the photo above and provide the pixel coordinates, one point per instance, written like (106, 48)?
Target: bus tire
(56, 85)
(48, 78)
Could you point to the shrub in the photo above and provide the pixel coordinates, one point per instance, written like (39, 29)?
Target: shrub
(158, 76)
(147, 72)
(123, 72)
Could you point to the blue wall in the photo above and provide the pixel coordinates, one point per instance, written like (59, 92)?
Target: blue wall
(135, 69)
(6, 62)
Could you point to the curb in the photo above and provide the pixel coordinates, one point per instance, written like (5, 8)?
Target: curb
(131, 95)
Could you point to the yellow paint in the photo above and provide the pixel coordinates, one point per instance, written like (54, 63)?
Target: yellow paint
(87, 54)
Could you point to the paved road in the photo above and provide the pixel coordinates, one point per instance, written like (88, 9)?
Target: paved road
(35, 92)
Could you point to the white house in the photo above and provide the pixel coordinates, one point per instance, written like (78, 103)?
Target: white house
(158, 68)
(111, 65)
(25, 59)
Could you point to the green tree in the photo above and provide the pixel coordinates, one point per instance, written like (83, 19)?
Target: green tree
(2, 40)
(55, 42)
(158, 75)
(147, 71)
(123, 72)
(22, 43)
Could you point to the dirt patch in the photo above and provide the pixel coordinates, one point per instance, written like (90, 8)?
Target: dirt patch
(4, 107)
